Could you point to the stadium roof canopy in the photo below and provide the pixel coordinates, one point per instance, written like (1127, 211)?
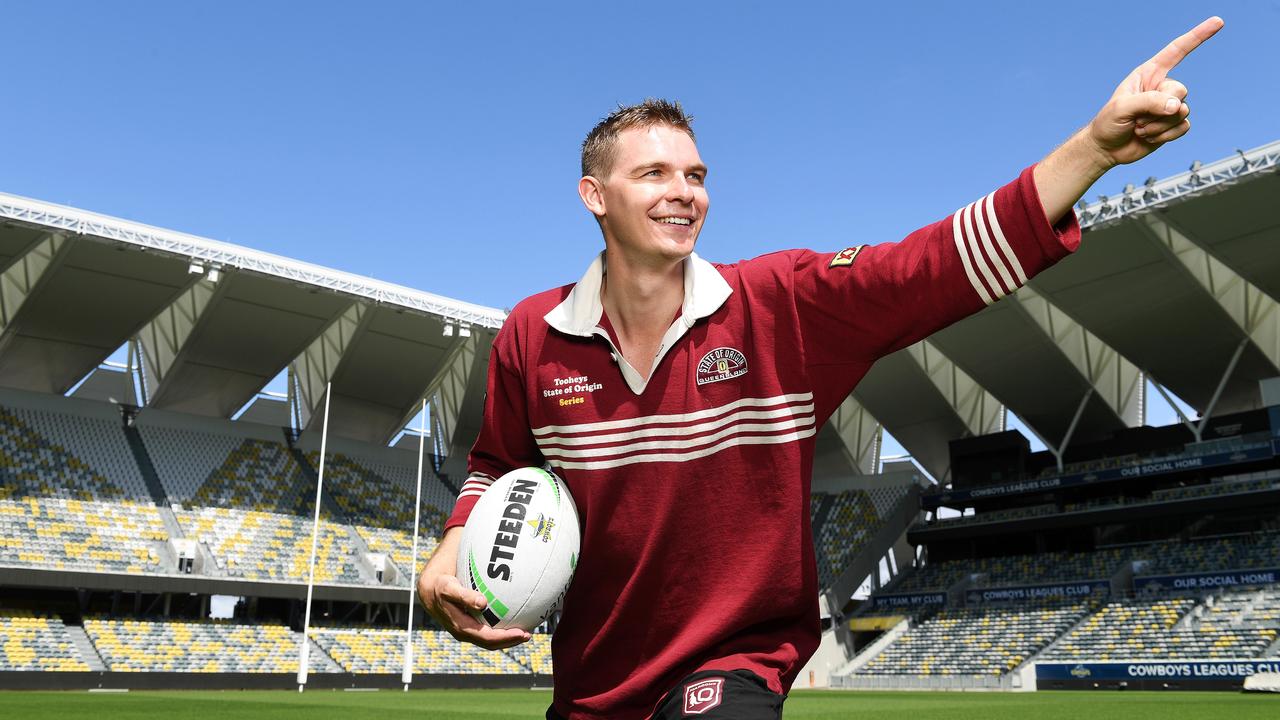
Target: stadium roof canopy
(1175, 281)
(212, 323)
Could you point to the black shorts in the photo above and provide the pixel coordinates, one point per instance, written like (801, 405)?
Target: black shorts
(716, 695)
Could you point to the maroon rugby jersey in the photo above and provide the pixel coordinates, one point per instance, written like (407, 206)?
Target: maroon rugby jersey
(693, 488)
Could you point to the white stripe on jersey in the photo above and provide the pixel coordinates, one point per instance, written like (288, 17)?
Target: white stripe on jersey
(996, 260)
(654, 432)
(633, 448)
(686, 456)
(984, 263)
(476, 484)
(962, 249)
(672, 418)
(973, 227)
(1009, 254)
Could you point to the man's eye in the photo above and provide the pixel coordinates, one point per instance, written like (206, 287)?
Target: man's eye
(696, 177)
(654, 172)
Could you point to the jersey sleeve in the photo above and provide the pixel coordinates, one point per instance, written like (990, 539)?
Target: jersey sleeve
(862, 303)
(504, 442)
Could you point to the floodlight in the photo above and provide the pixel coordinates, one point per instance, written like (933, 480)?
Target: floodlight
(214, 275)
(448, 329)
(195, 268)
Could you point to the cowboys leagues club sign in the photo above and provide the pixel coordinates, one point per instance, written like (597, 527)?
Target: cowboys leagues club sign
(1178, 670)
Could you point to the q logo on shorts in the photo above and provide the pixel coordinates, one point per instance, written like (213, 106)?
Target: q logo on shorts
(701, 696)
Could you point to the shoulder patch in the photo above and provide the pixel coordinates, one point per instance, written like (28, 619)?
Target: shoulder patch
(845, 257)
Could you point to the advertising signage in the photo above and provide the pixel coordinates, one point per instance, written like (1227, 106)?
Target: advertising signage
(1158, 467)
(1206, 581)
(1179, 670)
(902, 600)
(1065, 591)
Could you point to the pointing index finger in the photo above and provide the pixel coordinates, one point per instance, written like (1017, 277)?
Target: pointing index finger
(1174, 52)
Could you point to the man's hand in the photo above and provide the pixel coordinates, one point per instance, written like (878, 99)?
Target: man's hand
(451, 605)
(1149, 109)
(1145, 112)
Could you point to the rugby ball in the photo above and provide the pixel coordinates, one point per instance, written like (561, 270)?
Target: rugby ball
(520, 547)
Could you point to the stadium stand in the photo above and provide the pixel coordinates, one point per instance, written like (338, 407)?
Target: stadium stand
(368, 650)
(30, 642)
(1225, 485)
(203, 647)
(1015, 570)
(852, 519)
(975, 642)
(1187, 451)
(1002, 515)
(241, 492)
(534, 655)
(1237, 624)
(1241, 552)
(376, 497)
(72, 496)
(1261, 480)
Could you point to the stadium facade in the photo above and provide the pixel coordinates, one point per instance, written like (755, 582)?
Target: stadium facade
(132, 494)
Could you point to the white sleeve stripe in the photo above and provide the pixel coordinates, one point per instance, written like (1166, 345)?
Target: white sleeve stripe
(1009, 254)
(958, 236)
(983, 263)
(469, 493)
(1000, 265)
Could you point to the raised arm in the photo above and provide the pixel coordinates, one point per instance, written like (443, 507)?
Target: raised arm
(1146, 111)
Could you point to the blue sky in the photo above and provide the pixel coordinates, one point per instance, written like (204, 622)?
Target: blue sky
(436, 146)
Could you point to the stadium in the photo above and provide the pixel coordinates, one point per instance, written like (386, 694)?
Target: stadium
(159, 492)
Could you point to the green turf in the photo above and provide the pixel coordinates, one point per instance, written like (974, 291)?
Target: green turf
(502, 704)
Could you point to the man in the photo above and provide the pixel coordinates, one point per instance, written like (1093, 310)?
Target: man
(695, 394)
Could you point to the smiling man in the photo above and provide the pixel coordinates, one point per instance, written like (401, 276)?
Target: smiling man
(698, 389)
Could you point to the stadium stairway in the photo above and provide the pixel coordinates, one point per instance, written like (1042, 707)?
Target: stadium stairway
(869, 652)
(893, 525)
(822, 512)
(319, 659)
(1044, 651)
(80, 639)
(152, 480)
(1273, 650)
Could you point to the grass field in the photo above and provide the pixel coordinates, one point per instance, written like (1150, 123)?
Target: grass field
(504, 704)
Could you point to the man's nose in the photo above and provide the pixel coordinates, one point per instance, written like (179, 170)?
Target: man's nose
(679, 190)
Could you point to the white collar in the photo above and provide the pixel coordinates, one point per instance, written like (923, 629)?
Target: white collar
(704, 292)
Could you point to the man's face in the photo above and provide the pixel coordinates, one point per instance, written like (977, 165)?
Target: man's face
(655, 199)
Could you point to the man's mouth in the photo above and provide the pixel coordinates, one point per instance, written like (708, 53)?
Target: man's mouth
(674, 220)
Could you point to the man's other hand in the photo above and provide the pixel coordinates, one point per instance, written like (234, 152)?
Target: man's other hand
(454, 607)
(1149, 109)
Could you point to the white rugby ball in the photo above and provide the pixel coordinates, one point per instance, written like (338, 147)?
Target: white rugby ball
(520, 547)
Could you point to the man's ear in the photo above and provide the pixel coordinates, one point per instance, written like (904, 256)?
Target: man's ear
(591, 191)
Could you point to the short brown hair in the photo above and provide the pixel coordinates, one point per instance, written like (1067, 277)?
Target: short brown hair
(599, 149)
